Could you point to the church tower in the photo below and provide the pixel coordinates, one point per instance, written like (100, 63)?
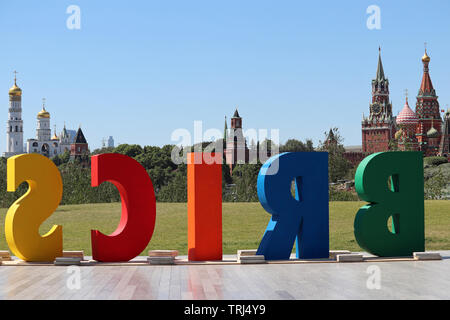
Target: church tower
(379, 128)
(428, 131)
(14, 128)
(43, 131)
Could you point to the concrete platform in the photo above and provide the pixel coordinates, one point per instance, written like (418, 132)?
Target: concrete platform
(400, 278)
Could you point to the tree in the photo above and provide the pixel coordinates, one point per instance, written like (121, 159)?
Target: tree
(338, 166)
(245, 177)
(293, 145)
(131, 150)
(434, 186)
(176, 189)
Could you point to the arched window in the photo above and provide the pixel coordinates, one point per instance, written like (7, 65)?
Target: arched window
(35, 144)
(17, 129)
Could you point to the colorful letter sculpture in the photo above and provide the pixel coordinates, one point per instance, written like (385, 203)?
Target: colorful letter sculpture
(403, 201)
(303, 219)
(204, 209)
(138, 208)
(26, 214)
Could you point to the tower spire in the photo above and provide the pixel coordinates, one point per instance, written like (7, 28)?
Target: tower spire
(426, 86)
(380, 71)
(225, 130)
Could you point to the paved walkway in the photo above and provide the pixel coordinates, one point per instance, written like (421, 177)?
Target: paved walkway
(397, 280)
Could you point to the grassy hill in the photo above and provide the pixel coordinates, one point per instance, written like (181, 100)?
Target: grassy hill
(243, 225)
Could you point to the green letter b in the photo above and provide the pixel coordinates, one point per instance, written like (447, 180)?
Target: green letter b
(392, 183)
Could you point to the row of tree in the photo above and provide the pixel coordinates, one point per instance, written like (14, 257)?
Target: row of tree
(170, 179)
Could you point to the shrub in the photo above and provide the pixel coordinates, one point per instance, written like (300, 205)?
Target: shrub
(435, 161)
(342, 195)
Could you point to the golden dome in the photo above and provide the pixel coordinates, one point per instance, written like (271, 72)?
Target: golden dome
(43, 113)
(426, 58)
(15, 90)
(55, 137)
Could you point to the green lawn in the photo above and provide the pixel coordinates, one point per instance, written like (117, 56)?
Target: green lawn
(243, 225)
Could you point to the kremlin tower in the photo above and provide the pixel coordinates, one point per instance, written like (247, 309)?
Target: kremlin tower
(236, 150)
(378, 129)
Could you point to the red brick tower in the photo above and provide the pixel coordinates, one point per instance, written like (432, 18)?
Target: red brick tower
(236, 147)
(379, 128)
(79, 149)
(428, 131)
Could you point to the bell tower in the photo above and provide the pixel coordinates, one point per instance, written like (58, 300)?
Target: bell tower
(14, 127)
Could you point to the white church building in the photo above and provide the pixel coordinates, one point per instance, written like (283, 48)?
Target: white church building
(44, 143)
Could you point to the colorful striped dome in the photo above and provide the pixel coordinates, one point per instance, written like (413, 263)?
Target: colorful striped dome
(407, 116)
(432, 133)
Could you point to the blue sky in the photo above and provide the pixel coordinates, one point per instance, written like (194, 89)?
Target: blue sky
(138, 70)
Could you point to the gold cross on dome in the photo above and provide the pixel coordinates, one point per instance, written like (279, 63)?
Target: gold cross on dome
(15, 75)
(43, 102)
(406, 94)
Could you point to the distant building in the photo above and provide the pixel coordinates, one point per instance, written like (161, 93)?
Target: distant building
(378, 128)
(236, 150)
(44, 143)
(79, 149)
(422, 130)
(110, 142)
(429, 127)
(14, 128)
(72, 135)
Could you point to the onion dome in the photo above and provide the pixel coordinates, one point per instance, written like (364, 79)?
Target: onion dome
(425, 57)
(407, 116)
(55, 137)
(43, 113)
(15, 90)
(398, 134)
(432, 133)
